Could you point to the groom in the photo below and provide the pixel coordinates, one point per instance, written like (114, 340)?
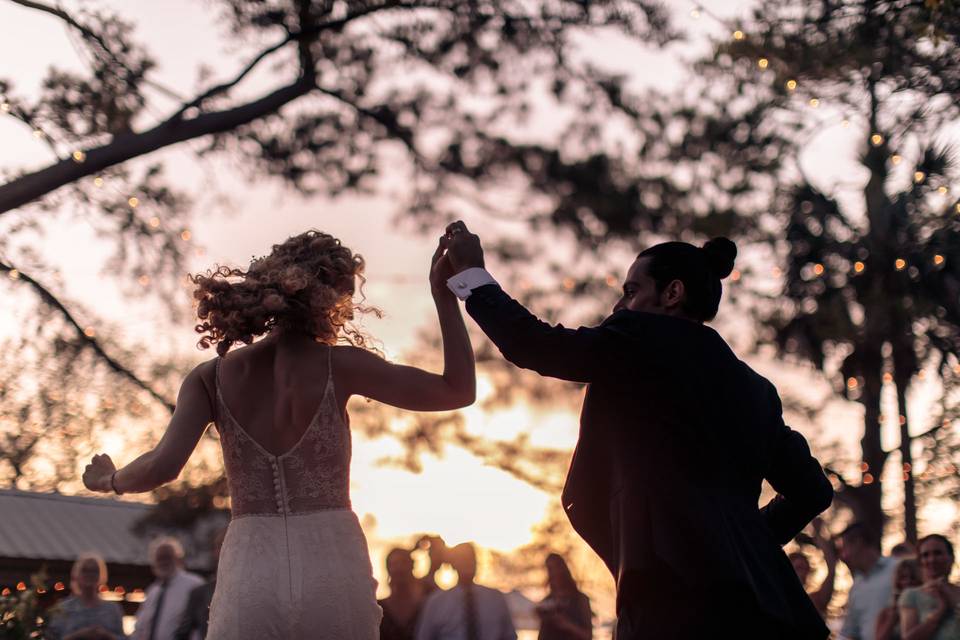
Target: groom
(676, 436)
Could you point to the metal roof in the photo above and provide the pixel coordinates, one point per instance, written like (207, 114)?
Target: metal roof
(51, 526)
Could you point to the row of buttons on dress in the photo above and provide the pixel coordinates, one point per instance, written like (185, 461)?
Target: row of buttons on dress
(277, 485)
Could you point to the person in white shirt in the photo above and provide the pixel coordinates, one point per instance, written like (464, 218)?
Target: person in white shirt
(872, 581)
(469, 611)
(166, 599)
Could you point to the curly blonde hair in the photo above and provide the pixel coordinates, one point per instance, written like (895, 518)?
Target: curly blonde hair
(305, 284)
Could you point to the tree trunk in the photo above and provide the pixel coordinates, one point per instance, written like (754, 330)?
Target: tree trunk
(906, 458)
(870, 492)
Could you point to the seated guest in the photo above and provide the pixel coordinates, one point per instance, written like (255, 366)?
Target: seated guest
(401, 609)
(929, 612)
(85, 615)
(565, 612)
(905, 576)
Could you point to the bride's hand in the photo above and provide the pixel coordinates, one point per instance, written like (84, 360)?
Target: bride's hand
(97, 474)
(440, 270)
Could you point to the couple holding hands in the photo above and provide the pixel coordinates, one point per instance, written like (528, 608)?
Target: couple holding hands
(676, 436)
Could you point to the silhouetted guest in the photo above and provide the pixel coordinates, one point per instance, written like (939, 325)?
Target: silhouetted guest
(401, 609)
(469, 611)
(903, 550)
(193, 624)
(565, 612)
(801, 564)
(932, 611)
(906, 575)
(166, 599)
(437, 550)
(872, 581)
(85, 615)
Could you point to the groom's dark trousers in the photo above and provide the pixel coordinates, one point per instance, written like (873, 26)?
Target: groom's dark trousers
(676, 437)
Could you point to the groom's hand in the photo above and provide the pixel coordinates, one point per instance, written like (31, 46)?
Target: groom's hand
(463, 248)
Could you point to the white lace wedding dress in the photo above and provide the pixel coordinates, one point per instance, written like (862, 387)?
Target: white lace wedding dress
(294, 563)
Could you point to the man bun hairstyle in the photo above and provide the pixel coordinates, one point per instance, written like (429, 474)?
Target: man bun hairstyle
(700, 269)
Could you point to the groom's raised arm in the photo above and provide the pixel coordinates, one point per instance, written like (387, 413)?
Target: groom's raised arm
(578, 355)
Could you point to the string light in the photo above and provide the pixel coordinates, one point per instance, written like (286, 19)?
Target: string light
(144, 280)
(90, 332)
(568, 284)
(763, 63)
(938, 259)
(735, 275)
(957, 207)
(611, 281)
(918, 176)
(818, 269)
(868, 478)
(79, 156)
(903, 420)
(776, 272)
(13, 274)
(852, 383)
(5, 107)
(845, 123)
(59, 586)
(943, 190)
(859, 267)
(814, 102)
(876, 139)
(133, 201)
(185, 235)
(738, 35)
(895, 159)
(900, 264)
(37, 134)
(695, 13)
(154, 222)
(5, 592)
(21, 586)
(98, 182)
(864, 467)
(907, 467)
(791, 85)
(888, 377)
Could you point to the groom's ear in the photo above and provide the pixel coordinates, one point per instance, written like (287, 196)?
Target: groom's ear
(673, 294)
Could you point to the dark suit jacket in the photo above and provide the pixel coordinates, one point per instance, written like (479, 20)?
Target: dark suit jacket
(197, 614)
(676, 436)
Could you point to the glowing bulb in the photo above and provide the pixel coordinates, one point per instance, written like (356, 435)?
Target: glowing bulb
(903, 420)
(738, 35)
(133, 201)
(859, 267)
(90, 332)
(144, 280)
(695, 14)
(818, 269)
(900, 264)
(13, 274)
(735, 275)
(918, 176)
(98, 182)
(957, 207)
(845, 123)
(79, 156)
(888, 377)
(21, 586)
(37, 133)
(5, 107)
(943, 190)
(154, 222)
(852, 383)
(568, 284)
(59, 586)
(895, 159)
(611, 281)
(791, 85)
(868, 478)
(876, 139)
(763, 63)
(776, 272)
(907, 467)
(814, 103)
(185, 235)
(938, 259)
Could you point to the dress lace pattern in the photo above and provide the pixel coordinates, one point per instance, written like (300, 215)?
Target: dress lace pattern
(313, 475)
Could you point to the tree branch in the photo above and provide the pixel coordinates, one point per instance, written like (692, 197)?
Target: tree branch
(52, 301)
(90, 34)
(124, 147)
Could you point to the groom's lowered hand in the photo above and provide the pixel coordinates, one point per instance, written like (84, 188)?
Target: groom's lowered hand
(463, 248)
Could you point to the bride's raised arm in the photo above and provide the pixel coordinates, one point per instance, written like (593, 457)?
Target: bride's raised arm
(363, 373)
(164, 462)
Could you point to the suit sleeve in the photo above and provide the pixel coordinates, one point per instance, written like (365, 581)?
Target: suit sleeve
(803, 491)
(578, 355)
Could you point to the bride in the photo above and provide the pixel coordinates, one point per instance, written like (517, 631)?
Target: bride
(294, 563)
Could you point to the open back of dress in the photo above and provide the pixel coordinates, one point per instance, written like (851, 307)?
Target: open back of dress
(294, 563)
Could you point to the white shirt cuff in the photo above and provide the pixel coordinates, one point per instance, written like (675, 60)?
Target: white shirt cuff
(467, 280)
